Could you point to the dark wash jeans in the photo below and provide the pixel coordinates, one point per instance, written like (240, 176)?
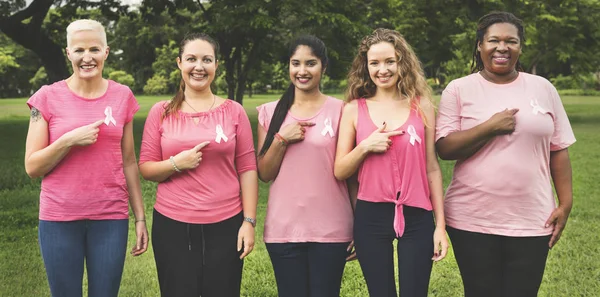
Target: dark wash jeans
(308, 269)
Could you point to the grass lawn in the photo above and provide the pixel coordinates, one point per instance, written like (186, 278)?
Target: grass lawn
(573, 266)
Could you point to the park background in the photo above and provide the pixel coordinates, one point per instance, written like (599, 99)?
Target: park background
(562, 44)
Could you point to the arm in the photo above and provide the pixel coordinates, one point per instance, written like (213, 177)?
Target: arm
(130, 170)
(41, 158)
(269, 163)
(461, 145)
(348, 156)
(434, 177)
(560, 169)
(249, 186)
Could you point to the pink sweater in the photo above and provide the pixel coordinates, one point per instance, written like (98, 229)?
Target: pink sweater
(209, 193)
(88, 183)
(504, 188)
(399, 175)
(306, 202)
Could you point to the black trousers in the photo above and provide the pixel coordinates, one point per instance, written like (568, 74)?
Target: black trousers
(373, 238)
(308, 269)
(195, 260)
(499, 266)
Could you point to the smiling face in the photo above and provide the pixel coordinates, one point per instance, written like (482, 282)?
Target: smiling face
(382, 64)
(500, 49)
(87, 53)
(198, 64)
(305, 69)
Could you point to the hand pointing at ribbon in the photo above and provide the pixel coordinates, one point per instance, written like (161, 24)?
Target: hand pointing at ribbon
(190, 159)
(84, 135)
(379, 141)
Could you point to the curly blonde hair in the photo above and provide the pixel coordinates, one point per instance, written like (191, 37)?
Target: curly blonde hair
(411, 83)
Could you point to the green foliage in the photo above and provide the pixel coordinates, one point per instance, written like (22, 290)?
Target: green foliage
(165, 64)
(122, 77)
(581, 82)
(7, 60)
(39, 79)
(156, 85)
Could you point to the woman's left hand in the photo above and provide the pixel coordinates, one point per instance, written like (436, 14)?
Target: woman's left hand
(141, 233)
(558, 218)
(440, 244)
(351, 251)
(245, 238)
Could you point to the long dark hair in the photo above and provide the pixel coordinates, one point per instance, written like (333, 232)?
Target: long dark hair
(484, 23)
(287, 99)
(175, 103)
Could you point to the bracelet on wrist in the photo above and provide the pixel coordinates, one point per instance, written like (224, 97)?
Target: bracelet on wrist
(142, 220)
(250, 220)
(281, 139)
(172, 160)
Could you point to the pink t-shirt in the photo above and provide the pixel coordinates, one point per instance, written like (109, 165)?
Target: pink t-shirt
(306, 202)
(209, 193)
(399, 175)
(88, 183)
(505, 187)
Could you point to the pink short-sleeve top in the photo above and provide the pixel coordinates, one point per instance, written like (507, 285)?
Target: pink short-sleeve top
(505, 188)
(88, 183)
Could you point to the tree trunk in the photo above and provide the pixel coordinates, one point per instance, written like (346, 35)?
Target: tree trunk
(230, 73)
(30, 36)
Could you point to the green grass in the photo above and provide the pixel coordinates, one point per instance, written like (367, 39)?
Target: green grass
(573, 266)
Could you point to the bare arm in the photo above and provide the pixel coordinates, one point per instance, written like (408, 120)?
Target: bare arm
(269, 163)
(461, 145)
(434, 177)
(41, 158)
(560, 169)
(249, 186)
(130, 170)
(348, 156)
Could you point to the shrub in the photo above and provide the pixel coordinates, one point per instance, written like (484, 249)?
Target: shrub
(122, 77)
(156, 85)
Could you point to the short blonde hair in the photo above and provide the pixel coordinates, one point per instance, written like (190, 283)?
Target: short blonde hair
(86, 25)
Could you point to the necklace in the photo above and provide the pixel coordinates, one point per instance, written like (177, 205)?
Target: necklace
(211, 106)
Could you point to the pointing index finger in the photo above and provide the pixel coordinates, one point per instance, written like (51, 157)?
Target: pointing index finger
(200, 146)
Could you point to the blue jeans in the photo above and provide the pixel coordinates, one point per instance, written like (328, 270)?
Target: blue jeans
(65, 246)
(308, 269)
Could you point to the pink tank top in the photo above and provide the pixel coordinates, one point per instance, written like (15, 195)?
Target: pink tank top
(399, 175)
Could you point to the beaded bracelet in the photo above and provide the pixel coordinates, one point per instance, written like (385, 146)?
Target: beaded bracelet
(173, 163)
(281, 139)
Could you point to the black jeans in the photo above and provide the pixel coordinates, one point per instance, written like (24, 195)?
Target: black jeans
(499, 266)
(197, 259)
(373, 238)
(308, 269)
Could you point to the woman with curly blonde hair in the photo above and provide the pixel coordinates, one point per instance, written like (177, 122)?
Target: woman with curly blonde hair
(386, 135)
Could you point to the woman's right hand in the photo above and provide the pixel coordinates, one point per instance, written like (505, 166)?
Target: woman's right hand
(379, 141)
(294, 132)
(84, 135)
(503, 122)
(190, 159)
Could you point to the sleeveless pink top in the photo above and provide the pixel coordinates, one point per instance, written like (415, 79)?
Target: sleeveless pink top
(399, 175)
